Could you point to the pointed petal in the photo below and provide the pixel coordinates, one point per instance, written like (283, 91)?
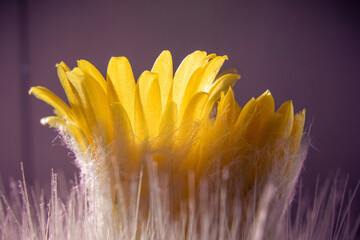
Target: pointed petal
(279, 126)
(285, 120)
(227, 108)
(121, 84)
(163, 66)
(184, 72)
(254, 117)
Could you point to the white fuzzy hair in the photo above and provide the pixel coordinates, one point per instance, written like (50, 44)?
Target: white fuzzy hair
(211, 212)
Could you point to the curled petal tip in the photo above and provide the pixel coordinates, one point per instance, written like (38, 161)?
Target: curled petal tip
(32, 89)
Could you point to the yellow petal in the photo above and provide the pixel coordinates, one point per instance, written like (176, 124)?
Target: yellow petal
(70, 91)
(169, 120)
(210, 72)
(97, 98)
(140, 128)
(245, 115)
(50, 98)
(285, 120)
(73, 98)
(280, 124)
(61, 71)
(167, 130)
(89, 69)
(205, 76)
(297, 131)
(191, 90)
(227, 108)
(54, 122)
(189, 128)
(122, 123)
(121, 82)
(222, 85)
(195, 109)
(254, 117)
(163, 66)
(150, 97)
(64, 66)
(79, 136)
(228, 71)
(61, 124)
(76, 78)
(184, 72)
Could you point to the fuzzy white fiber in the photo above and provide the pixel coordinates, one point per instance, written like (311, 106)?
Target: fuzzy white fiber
(211, 212)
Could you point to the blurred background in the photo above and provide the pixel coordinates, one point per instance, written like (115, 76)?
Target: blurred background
(307, 51)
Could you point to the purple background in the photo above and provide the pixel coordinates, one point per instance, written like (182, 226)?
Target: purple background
(306, 51)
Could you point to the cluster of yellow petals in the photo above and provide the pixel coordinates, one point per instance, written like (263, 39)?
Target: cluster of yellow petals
(189, 120)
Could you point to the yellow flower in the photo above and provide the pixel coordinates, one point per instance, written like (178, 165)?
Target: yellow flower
(189, 122)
